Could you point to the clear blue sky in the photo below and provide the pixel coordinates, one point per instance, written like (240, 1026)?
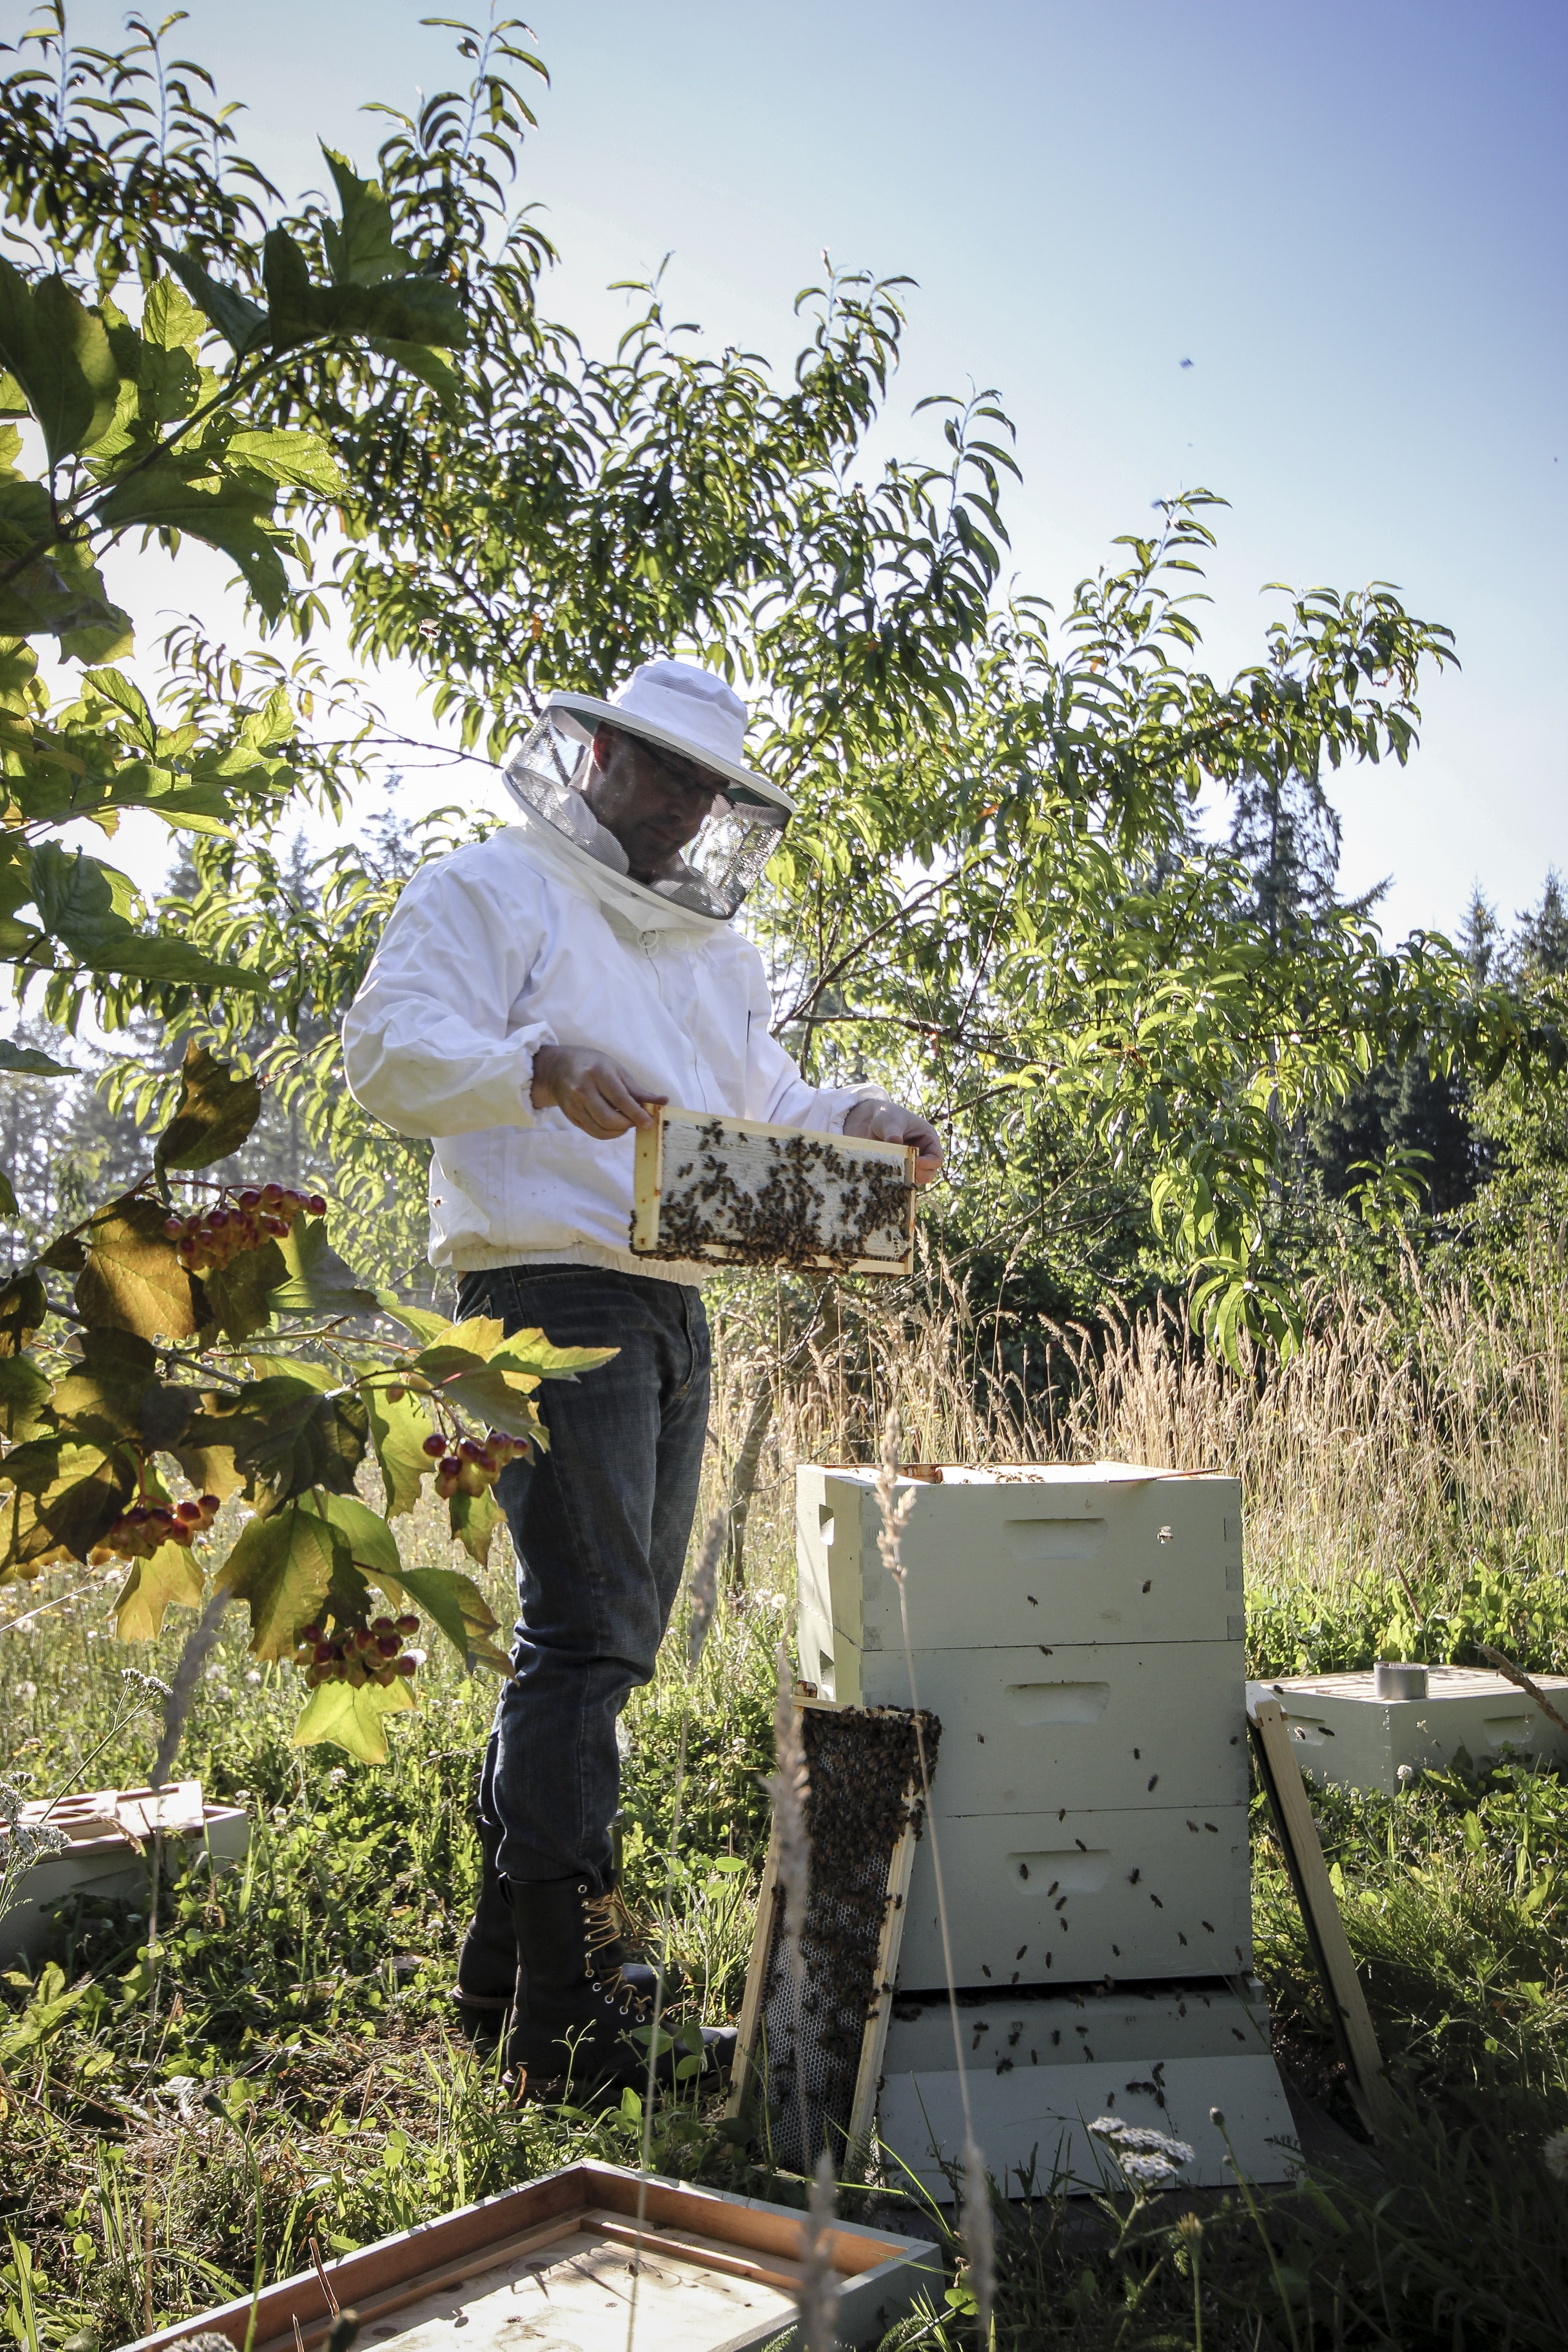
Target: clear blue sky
(1351, 219)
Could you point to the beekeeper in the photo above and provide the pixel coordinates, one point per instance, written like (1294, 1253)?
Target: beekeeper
(532, 995)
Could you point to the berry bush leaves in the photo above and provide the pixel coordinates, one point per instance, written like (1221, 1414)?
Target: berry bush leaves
(132, 1281)
(178, 1361)
(216, 1112)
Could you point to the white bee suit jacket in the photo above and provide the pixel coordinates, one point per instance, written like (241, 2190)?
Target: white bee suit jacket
(523, 941)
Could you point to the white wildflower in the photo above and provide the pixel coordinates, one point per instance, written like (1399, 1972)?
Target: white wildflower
(1554, 2156)
(1146, 2171)
(788, 1787)
(816, 2291)
(253, 1680)
(130, 1677)
(1147, 2158)
(27, 1690)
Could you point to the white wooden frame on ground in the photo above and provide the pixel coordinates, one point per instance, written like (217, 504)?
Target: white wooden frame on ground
(647, 1183)
(483, 2256)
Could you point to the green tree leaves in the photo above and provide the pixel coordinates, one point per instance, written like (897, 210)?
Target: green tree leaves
(82, 904)
(59, 354)
(216, 1112)
(281, 1568)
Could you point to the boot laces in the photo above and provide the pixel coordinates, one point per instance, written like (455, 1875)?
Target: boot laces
(605, 1923)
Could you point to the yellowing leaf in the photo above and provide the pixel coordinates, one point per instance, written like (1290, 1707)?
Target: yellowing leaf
(458, 1607)
(474, 1520)
(64, 1498)
(479, 1335)
(171, 1576)
(282, 1567)
(24, 1391)
(23, 1306)
(530, 1352)
(318, 1282)
(340, 1716)
(132, 1281)
(397, 1434)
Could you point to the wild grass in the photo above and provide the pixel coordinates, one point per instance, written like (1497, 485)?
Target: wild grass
(296, 2076)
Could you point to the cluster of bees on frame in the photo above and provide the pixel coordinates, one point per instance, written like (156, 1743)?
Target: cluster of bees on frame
(862, 1764)
(792, 1219)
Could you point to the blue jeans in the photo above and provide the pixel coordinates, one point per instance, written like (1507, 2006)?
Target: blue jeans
(600, 1524)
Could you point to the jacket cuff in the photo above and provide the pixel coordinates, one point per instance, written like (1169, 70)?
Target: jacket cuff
(528, 1040)
(844, 1100)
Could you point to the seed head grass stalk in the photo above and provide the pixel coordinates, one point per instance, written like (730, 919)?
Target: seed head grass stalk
(975, 2226)
(817, 2290)
(703, 1591)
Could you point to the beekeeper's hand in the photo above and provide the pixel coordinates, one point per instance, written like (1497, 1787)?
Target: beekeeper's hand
(591, 1088)
(888, 1122)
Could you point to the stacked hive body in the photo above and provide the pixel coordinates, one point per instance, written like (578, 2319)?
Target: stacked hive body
(1080, 1634)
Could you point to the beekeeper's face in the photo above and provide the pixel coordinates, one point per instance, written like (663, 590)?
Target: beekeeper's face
(653, 801)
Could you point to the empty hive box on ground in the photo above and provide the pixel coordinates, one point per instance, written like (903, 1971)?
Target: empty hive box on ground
(551, 2263)
(1078, 1633)
(106, 1832)
(1349, 1730)
(740, 1192)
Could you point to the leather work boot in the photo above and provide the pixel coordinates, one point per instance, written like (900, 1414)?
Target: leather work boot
(489, 1960)
(579, 2024)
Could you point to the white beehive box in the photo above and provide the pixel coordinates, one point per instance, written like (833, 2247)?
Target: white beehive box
(1345, 1733)
(1011, 1558)
(105, 1855)
(1109, 1724)
(1086, 2025)
(1074, 1896)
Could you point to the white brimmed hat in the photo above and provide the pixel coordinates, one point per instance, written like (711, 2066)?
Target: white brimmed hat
(686, 709)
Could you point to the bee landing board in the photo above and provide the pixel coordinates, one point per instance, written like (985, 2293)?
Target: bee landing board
(812, 2059)
(740, 1191)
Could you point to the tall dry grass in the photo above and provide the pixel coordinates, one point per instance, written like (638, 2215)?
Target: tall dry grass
(1395, 1443)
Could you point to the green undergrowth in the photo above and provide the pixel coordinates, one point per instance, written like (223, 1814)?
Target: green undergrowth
(185, 2114)
(1443, 1617)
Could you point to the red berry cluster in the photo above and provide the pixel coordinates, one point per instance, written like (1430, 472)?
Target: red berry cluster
(138, 1532)
(357, 1655)
(210, 1239)
(467, 1467)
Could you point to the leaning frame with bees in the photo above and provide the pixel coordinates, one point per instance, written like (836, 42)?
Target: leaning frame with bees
(740, 1192)
(812, 2056)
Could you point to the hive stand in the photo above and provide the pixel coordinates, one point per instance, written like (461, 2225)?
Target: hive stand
(1080, 1633)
